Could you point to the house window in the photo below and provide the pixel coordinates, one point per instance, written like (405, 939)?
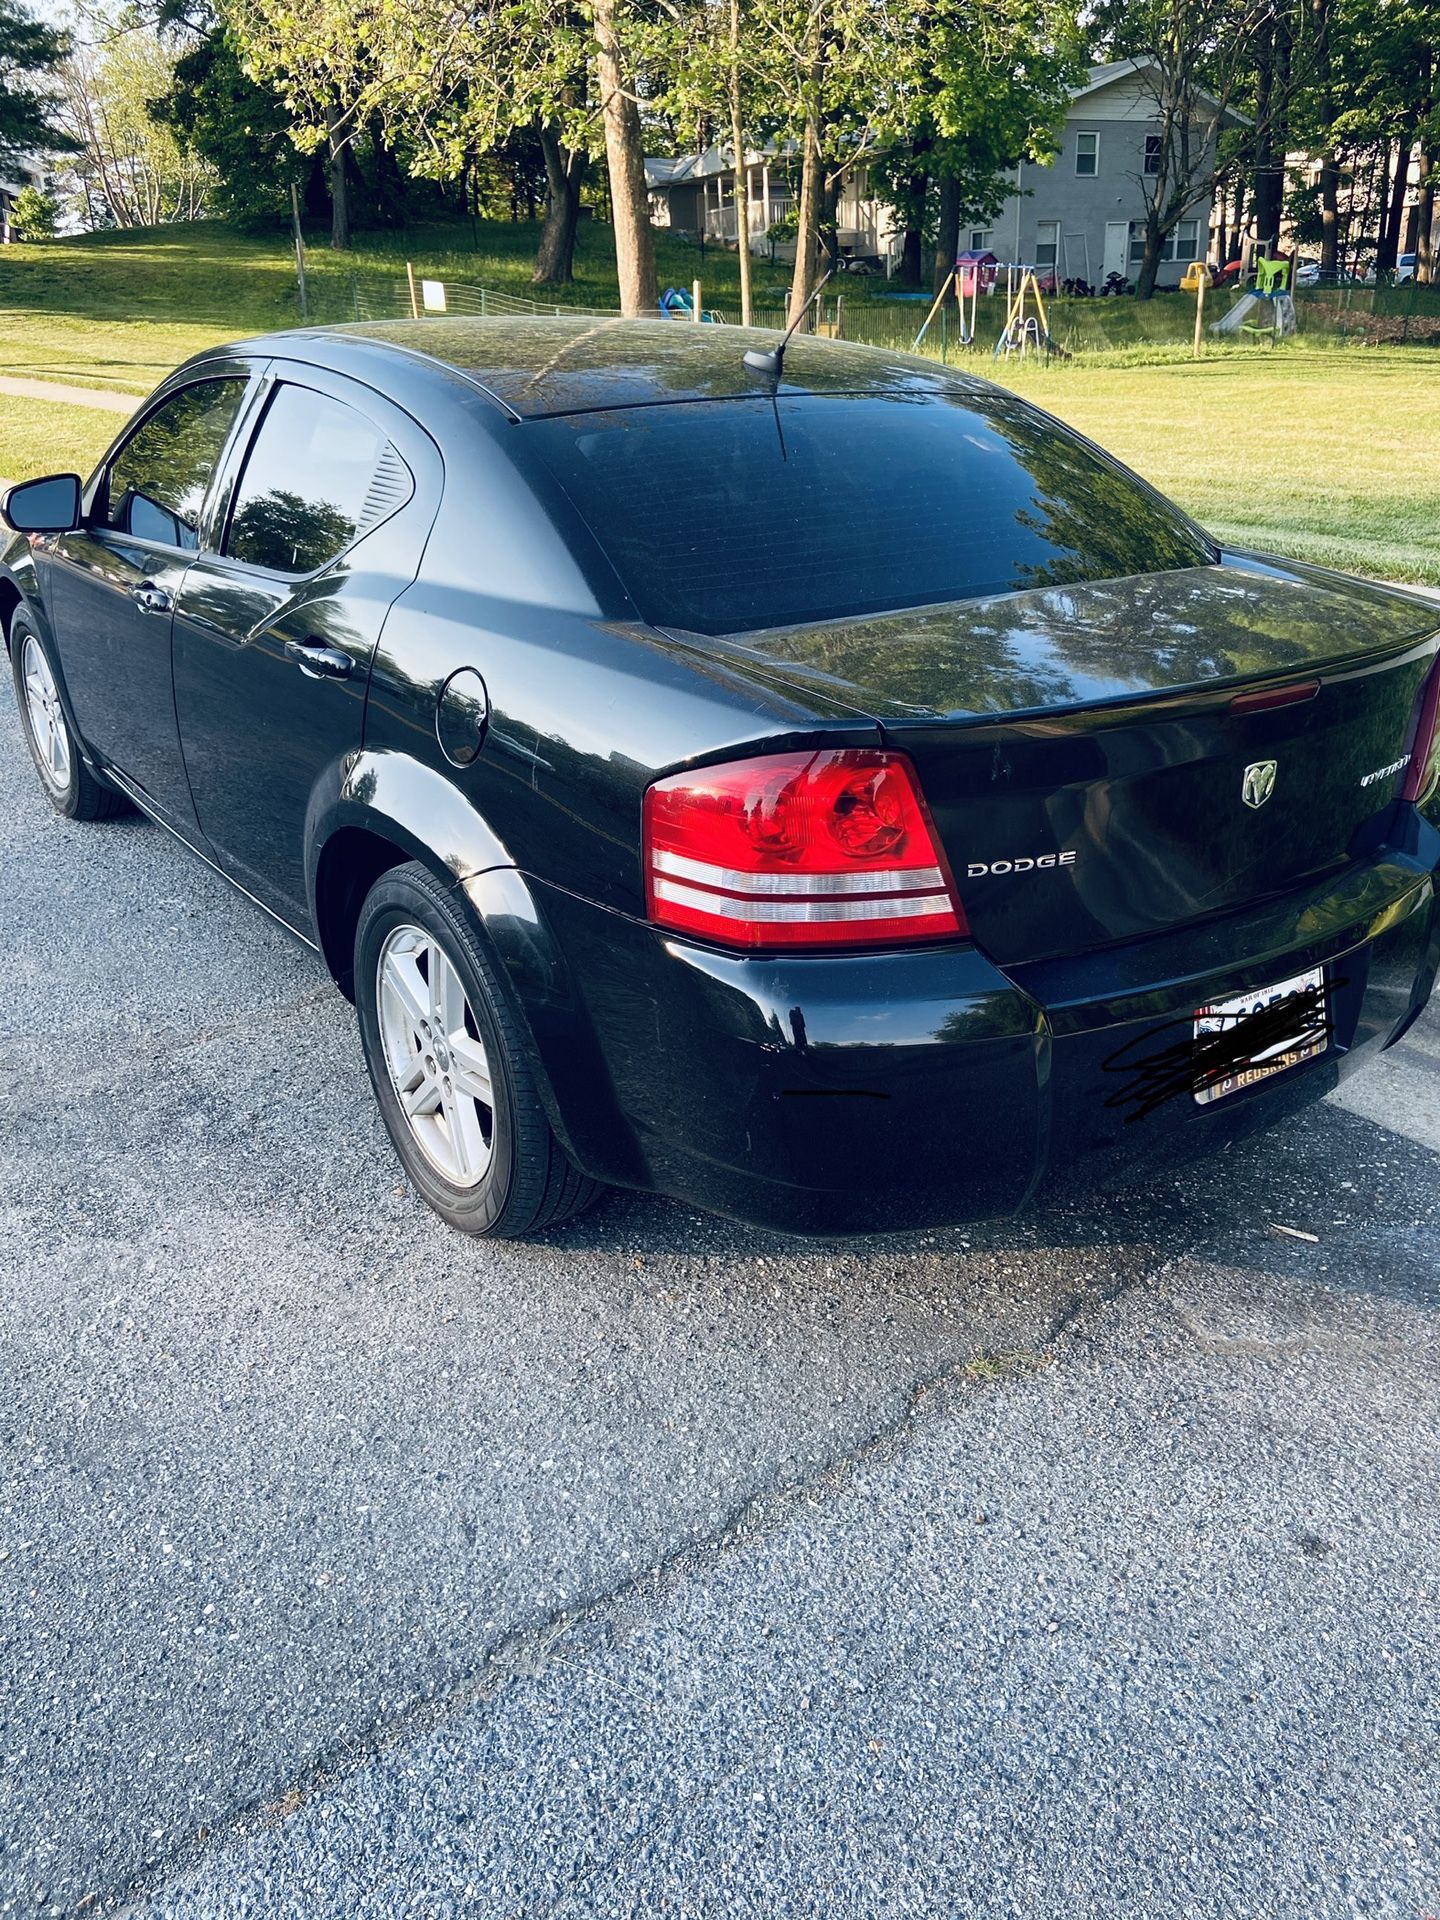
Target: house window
(1152, 153)
(1087, 153)
(979, 239)
(1179, 244)
(1047, 243)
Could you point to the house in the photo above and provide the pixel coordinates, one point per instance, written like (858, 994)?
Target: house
(15, 175)
(695, 194)
(1080, 214)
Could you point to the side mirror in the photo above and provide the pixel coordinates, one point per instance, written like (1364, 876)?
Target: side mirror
(51, 505)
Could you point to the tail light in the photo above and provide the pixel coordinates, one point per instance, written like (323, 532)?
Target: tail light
(1423, 772)
(828, 849)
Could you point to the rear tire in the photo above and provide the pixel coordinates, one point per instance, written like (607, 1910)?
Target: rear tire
(70, 786)
(450, 1065)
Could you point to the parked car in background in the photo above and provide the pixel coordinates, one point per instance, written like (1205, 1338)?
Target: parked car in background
(1406, 267)
(821, 788)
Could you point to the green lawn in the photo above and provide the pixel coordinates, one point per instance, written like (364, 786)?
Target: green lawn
(1312, 450)
(1325, 456)
(49, 436)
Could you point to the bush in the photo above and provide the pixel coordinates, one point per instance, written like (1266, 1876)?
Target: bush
(33, 215)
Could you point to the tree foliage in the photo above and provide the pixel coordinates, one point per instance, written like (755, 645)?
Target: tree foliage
(31, 52)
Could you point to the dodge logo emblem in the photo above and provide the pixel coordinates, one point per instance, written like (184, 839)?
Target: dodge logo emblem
(1258, 784)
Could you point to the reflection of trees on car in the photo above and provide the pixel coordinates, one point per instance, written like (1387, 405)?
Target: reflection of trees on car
(171, 459)
(280, 530)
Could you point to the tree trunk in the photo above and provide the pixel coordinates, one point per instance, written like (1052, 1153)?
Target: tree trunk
(916, 188)
(1329, 214)
(565, 174)
(1389, 249)
(390, 193)
(947, 238)
(1150, 259)
(625, 164)
(742, 172)
(339, 188)
(1425, 220)
(911, 250)
(807, 230)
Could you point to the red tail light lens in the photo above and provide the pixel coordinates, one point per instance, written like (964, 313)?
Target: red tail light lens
(828, 849)
(1423, 772)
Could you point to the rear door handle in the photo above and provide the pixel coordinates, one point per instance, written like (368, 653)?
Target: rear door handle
(319, 662)
(151, 599)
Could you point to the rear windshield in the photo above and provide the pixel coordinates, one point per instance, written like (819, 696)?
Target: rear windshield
(731, 515)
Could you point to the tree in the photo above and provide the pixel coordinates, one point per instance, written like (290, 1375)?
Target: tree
(237, 128)
(993, 88)
(31, 53)
(128, 170)
(624, 159)
(565, 170)
(1190, 57)
(33, 215)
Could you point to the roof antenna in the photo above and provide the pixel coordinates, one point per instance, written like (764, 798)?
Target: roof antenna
(771, 360)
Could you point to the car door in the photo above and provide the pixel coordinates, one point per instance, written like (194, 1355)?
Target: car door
(275, 627)
(113, 583)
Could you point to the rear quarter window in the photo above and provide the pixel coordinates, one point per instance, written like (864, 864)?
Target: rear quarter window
(725, 516)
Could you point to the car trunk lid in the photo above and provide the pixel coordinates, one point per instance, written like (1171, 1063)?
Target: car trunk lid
(1119, 758)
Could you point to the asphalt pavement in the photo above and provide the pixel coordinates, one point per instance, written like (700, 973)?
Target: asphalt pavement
(1086, 1566)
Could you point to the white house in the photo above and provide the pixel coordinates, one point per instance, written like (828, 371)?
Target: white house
(696, 194)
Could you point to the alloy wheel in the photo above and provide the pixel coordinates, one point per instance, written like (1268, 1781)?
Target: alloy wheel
(47, 719)
(434, 1055)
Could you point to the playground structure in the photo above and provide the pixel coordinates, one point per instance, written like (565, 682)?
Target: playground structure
(974, 271)
(1027, 326)
(1268, 312)
(677, 304)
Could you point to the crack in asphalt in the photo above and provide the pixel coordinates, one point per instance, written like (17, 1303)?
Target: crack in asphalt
(529, 1649)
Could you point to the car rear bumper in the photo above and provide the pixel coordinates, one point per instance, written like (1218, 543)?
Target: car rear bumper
(876, 1093)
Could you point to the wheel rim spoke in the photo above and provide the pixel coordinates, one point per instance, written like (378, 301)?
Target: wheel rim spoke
(402, 979)
(437, 1065)
(470, 1069)
(47, 722)
(467, 1138)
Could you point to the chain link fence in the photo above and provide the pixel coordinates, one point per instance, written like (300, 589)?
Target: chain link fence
(1406, 315)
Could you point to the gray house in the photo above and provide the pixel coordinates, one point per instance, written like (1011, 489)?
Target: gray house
(1082, 214)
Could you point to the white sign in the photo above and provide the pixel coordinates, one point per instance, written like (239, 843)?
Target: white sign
(432, 295)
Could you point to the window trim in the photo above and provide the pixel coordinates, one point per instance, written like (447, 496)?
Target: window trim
(1146, 155)
(97, 492)
(1087, 133)
(277, 376)
(1052, 265)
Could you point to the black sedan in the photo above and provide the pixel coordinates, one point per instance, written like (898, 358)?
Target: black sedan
(821, 788)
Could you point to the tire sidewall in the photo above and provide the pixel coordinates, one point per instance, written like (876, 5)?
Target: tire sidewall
(23, 629)
(396, 902)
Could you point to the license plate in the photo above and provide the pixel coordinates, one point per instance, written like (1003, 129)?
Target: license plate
(1299, 1040)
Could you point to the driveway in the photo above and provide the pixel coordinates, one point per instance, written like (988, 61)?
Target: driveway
(1087, 1567)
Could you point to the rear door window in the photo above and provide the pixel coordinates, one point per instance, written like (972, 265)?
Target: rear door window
(310, 483)
(157, 483)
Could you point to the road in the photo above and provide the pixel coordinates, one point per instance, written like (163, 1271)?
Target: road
(1086, 1566)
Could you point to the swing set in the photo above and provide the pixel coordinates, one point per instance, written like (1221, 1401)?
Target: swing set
(1027, 327)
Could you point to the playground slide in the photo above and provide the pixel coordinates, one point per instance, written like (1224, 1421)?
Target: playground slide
(1261, 313)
